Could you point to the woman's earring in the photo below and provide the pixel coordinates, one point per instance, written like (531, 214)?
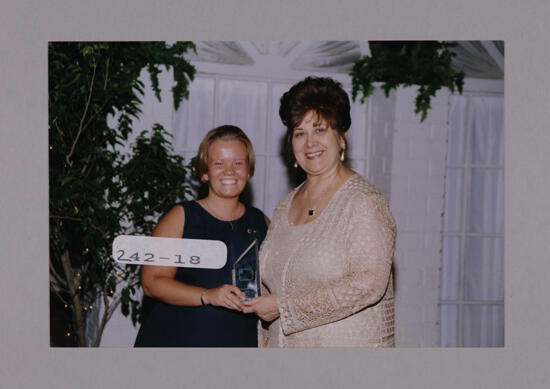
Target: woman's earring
(342, 156)
(295, 165)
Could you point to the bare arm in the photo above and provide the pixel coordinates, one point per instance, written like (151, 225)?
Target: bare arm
(159, 282)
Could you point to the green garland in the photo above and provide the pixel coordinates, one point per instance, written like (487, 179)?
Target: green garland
(405, 63)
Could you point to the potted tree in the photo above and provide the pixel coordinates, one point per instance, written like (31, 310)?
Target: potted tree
(98, 191)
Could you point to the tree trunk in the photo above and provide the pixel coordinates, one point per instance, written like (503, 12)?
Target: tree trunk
(78, 317)
(107, 314)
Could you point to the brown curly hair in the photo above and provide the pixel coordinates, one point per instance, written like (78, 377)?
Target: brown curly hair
(324, 96)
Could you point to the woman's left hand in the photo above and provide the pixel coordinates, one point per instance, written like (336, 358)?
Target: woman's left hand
(265, 307)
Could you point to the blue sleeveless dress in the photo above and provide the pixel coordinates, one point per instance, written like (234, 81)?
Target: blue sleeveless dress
(168, 325)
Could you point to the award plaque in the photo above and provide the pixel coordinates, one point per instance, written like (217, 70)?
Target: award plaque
(246, 271)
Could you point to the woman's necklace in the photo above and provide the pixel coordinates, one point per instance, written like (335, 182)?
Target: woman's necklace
(215, 214)
(311, 211)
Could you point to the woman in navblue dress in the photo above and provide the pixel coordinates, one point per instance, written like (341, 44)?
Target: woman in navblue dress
(191, 307)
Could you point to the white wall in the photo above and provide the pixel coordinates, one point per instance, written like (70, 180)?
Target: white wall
(417, 187)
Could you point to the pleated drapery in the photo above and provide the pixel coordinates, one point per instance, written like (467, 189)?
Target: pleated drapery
(472, 271)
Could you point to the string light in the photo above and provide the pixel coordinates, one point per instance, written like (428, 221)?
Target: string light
(79, 287)
(66, 306)
(51, 147)
(87, 249)
(68, 334)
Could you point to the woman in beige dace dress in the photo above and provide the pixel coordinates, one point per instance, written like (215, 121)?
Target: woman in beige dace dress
(326, 261)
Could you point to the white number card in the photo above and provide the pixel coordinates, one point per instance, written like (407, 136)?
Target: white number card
(149, 250)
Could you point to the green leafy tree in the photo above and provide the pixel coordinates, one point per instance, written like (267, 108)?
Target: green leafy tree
(406, 63)
(99, 190)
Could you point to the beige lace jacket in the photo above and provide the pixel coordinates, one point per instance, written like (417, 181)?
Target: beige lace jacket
(332, 275)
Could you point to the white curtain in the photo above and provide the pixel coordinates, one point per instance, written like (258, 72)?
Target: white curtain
(472, 272)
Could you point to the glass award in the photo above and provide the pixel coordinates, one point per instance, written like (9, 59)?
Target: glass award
(246, 271)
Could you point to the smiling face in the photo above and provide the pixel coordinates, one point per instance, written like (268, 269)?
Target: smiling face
(228, 169)
(316, 145)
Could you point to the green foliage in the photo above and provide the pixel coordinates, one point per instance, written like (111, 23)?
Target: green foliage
(405, 63)
(97, 192)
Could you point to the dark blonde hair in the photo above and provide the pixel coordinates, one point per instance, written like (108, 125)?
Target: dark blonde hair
(322, 95)
(226, 132)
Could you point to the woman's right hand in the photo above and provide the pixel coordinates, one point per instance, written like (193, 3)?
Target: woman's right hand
(228, 296)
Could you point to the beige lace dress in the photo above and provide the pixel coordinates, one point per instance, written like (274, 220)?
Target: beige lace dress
(332, 275)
